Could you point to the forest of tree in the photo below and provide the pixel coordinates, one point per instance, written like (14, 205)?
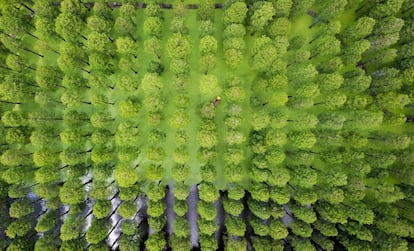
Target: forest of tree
(207, 125)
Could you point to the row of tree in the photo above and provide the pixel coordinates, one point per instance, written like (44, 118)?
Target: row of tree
(340, 165)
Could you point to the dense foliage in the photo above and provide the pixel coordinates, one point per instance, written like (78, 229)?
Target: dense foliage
(262, 125)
